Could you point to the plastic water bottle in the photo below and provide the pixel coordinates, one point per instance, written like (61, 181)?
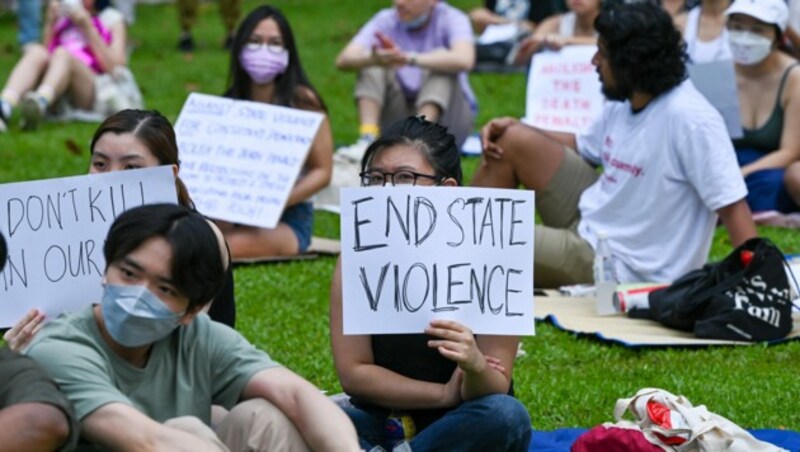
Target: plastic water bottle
(605, 275)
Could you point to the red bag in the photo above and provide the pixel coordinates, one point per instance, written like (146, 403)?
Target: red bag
(613, 439)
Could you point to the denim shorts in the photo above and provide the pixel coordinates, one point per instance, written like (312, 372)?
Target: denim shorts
(300, 218)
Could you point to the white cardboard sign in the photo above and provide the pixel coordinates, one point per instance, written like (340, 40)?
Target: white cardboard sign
(55, 229)
(564, 92)
(240, 159)
(413, 254)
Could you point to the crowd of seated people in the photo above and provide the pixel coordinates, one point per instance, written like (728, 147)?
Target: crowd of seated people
(115, 377)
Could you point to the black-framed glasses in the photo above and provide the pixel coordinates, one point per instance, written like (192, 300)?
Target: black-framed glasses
(377, 178)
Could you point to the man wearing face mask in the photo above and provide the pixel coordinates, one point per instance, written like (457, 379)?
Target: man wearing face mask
(144, 366)
(768, 84)
(412, 59)
(34, 415)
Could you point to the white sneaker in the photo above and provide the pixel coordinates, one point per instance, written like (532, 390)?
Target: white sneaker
(355, 152)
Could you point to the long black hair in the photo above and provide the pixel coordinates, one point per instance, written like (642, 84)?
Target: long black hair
(292, 88)
(646, 52)
(433, 140)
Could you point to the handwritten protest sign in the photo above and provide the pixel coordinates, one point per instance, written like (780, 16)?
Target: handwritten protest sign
(563, 90)
(240, 159)
(412, 254)
(55, 230)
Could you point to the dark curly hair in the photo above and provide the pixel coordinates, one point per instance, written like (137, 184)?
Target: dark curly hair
(645, 50)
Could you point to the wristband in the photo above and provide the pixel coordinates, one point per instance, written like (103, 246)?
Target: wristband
(412, 58)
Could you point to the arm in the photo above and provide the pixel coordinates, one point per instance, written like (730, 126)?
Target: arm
(495, 128)
(108, 55)
(32, 426)
(458, 343)
(459, 57)
(319, 165)
(324, 425)
(120, 427)
(536, 41)
(790, 136)
(359, 376)
(51, 14)
(738, 220)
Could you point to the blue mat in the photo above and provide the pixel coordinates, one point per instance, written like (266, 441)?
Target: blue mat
(560, 440)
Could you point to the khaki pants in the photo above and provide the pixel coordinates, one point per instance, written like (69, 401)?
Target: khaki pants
(561, 256)
(253, 425)
(380, 84)
(228, 9)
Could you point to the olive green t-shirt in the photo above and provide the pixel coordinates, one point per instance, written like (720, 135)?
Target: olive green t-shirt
(198, 365)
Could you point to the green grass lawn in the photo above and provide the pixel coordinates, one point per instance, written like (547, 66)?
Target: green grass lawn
(282, 308)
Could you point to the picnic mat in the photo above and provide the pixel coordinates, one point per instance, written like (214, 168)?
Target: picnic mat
(319, 247)
(561, 440)
(577, 315)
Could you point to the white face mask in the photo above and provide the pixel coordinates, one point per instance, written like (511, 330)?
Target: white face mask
(749, 48)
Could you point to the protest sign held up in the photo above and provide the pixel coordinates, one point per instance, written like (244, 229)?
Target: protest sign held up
(240, 159)
(55, 230)
(563, 91)
(413, 254)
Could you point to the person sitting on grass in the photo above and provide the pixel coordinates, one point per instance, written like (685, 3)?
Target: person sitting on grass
(768, 87)
(144, 365)
(412, 59)
(33, 413)
(575, 27)
(668, 166)
(82, 40)
(132, 139)
(451, 389)
(265, 67)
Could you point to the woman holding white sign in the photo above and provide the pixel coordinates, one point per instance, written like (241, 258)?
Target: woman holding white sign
(446, 389)
(133, 139)
(265, 67)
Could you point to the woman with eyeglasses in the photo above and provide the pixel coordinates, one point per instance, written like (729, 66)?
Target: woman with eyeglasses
(265, 67)
(446, 389)
(768, 85)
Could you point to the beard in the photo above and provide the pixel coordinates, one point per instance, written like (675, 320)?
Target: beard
(618, 92)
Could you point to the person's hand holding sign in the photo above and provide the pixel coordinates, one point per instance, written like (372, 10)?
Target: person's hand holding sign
(481, 373)
(20, 335)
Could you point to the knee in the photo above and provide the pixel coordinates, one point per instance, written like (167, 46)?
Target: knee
(258, 410)
(60, 54)
(504, 413)
(791, 177)
(49, 422)
(36, 53)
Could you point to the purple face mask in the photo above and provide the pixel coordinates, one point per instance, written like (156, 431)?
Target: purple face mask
(263, 64)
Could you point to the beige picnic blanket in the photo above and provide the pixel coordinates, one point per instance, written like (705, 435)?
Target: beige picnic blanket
(577, 315)
(319, 246)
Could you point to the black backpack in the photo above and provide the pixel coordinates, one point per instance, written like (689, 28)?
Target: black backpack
(745, 297)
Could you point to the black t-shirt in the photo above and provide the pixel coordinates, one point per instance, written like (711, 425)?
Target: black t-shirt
(410, 356)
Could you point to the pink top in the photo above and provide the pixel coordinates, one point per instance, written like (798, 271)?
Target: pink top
(69, 36)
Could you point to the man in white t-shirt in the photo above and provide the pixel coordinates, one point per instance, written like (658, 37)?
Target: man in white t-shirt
(668, 165)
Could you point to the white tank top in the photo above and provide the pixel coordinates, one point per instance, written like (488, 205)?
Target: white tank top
(566, 26)
(704, 51)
